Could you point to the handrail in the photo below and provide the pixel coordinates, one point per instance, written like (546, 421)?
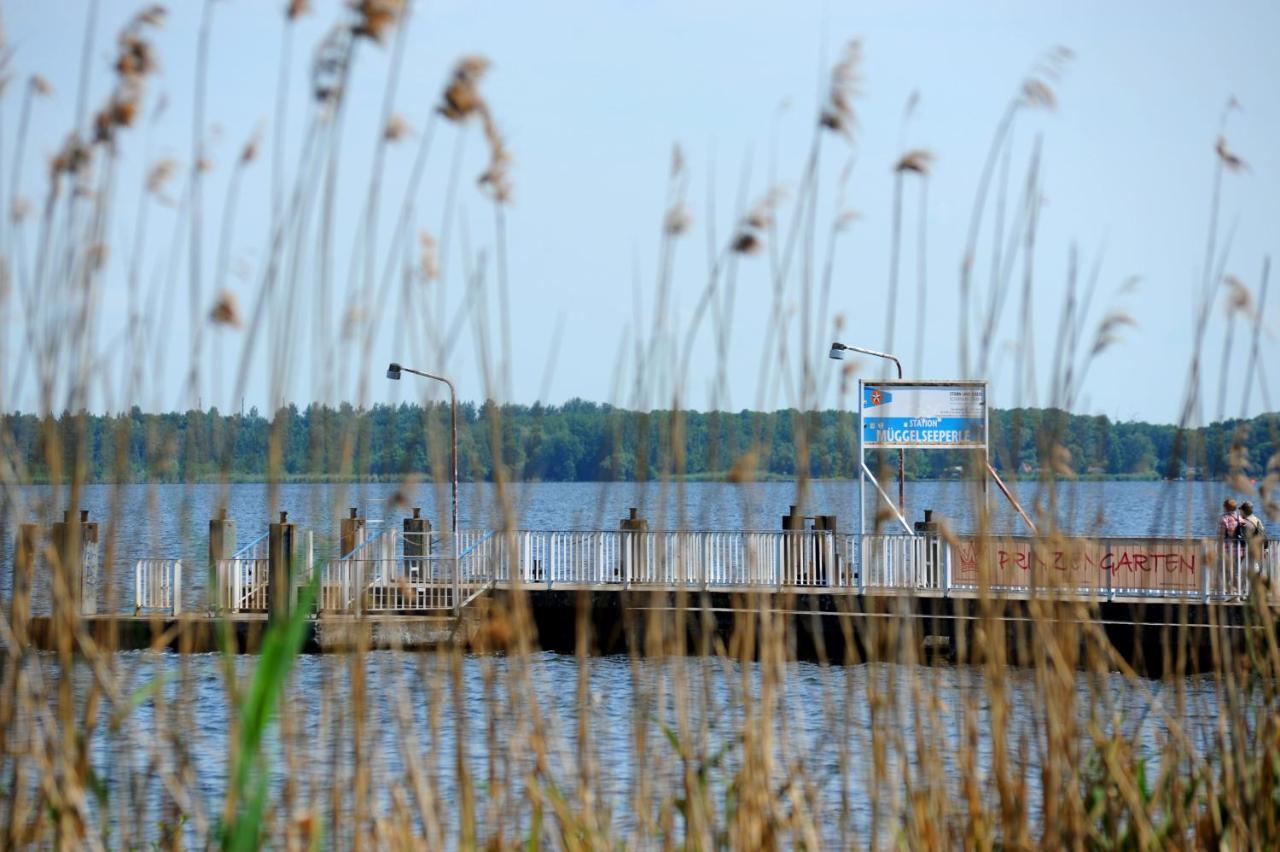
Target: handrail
(1008, 495)
(896, 512)
(246, 551)
(482, 540)
(388, 530)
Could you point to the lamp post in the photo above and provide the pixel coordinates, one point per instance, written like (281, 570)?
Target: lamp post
(837, 353)
(393, 372)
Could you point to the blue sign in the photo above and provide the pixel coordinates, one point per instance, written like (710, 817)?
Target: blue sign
(912, 415)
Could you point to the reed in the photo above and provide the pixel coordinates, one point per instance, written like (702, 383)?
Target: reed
(716, 729)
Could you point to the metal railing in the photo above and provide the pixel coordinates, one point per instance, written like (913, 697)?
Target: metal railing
(1094, 568)
(397, 572)
(394, 572)
(243, 581)
(678, 558)
(157, 586)
(242, 584)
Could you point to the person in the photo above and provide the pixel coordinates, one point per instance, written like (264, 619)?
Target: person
(1229, 522)
(1250, 529)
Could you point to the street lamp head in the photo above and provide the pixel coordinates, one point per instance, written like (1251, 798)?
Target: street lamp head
(837, 352)
(393, 371)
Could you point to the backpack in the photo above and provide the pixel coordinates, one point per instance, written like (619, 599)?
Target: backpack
(1251, 528)
(1232, 529)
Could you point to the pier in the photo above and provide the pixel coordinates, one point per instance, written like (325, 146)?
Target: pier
(390, 584)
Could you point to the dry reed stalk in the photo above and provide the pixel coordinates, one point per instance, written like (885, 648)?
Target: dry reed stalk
(735, 769)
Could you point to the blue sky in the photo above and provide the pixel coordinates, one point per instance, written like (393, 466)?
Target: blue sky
(592, 96)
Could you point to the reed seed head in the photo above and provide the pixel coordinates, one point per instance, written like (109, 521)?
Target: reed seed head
(744, 467)
(1232, 161)
(397, 128)
(1238, 298)
(250, 149)
(846, 85)
(153, 16)
(495, 177)
(916, 160)
(428, 266)
(160, 174)
(747, 243)
(401, 498)
(296, 9)
(72, 159)
(677, 220)
(329, 65)
(461, 97)
(1060, 462)
(97, 255)
(750, 236)
(136, 57)
(375, 19)
(120, 111)
(1036, 92)
(40, 86)
(226, 310)
(1108, 331)
(352, 320)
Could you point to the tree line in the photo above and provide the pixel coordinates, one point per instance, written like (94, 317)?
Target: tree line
(586, 441)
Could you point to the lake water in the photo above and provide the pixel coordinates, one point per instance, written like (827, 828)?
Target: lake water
(820, 719)
(411, 713)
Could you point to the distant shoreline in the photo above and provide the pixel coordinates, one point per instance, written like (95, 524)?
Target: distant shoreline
(724, 477)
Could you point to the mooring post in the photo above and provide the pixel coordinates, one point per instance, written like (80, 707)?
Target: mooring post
(417, 541)
(222, 540)
(76, 546)
(792, 549)
(825, 549)
(89, 565)
(280, 539)
(24, 561)
(930, 530)
(634, 555)
(351, 532)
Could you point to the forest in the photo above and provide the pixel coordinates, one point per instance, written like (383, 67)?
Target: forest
(587, 441)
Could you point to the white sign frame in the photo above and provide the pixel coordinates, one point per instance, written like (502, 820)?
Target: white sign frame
(931, 418)
(865, 473)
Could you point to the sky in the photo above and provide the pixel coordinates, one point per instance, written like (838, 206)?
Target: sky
(591, 97)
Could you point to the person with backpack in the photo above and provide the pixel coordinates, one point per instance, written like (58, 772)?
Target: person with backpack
(1250, 530)
(1229, 523)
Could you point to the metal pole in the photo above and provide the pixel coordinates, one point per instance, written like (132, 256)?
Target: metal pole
(902, 486)
(862, 498)
(902, 458)
(453, 452)
(453, 458)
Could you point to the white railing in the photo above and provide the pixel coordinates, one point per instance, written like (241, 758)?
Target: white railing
(395, 572)
(690, 559)
(157, 586)
(391, 572)
(243, 581)
(242, 584)
(1094, 568)
(414, 572)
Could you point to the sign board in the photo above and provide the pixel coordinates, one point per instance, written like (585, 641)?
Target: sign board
(1130, 566)
(924, 415)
